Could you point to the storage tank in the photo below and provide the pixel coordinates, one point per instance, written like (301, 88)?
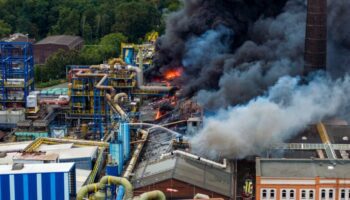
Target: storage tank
(32, 101)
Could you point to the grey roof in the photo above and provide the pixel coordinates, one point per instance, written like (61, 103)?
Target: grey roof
(337, 132)
(186, 170)
(302, 168)
(68, 40)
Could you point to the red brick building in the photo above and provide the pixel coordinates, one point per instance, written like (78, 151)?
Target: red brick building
(182, 178)
(50, 45)
(302, 179)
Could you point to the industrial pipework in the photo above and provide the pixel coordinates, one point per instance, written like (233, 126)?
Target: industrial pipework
(116, 107)
(107, 180)
(136, 154)
(112, 180)
(189, 155)
(153, 195)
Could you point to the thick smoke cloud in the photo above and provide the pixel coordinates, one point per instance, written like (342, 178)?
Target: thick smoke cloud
(233, 51)
(286, 109)
(338, 37)
(245, 39)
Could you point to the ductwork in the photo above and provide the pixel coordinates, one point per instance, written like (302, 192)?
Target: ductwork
(100, 83)
(140, 84)
(201, 196)
(115, 107)
(136, 154)
(153, 195)
(107, 180)
(189, 155)
(119, 96)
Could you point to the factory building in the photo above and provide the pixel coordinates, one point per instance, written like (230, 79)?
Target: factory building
(51, 44)
(182, 177)
(309, 179)
(38, 181)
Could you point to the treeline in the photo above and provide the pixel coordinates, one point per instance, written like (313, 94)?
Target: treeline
(91, 19)
(103, 24)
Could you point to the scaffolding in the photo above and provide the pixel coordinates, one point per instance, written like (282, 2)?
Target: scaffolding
(17, 73)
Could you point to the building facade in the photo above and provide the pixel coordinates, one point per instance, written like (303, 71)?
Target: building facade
(52, 44)
(302, 179)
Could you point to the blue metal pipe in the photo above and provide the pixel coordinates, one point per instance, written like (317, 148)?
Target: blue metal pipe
(120, 193)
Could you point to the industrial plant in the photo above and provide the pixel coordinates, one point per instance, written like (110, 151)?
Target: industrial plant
(192, 114)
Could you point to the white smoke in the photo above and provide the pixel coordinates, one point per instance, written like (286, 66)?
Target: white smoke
(287, 108)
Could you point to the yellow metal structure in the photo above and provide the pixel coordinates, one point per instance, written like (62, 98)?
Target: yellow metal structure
(323, 133)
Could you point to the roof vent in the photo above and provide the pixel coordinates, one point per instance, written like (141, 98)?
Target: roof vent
(345, 138)
(304, 138)
(3, 154)
(17, 166)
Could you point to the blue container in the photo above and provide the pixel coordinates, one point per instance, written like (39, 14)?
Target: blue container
(112, 170)
(38, 182)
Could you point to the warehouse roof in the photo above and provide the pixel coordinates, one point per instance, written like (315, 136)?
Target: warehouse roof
(186, 170)
(37, 168)
(68, 40)
(302, 168)
(13, 146)
(73, 153)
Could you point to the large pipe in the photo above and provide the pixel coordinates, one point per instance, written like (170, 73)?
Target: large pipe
(121, 192)
(115, 107)
(107, 180)
(86, 190)
(100, 83)
(136, 154)
(119, 96)
(140, 83)
(201, 196)
(189, 155)
(153, 195)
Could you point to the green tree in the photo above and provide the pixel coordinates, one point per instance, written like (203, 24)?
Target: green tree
(111, 44)
(136, 18)
(68, 22)
(5, 28)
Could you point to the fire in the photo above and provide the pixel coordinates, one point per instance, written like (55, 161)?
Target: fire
(158, 115)
(173, 74)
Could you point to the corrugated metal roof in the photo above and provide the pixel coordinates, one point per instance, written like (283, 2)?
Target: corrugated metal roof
(68, 40)
(37, 168)
(186, 170)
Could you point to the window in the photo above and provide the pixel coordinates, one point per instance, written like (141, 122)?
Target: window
(264, 194)
(330, 194)
(311, 194)
(272, 194)
(291, 194)
(342, 194)
(303, 194)
(323, 194)
(284, 194)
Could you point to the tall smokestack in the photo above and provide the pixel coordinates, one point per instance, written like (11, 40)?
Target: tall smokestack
(316, 36)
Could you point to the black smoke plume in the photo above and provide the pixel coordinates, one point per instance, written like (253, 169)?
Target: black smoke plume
(233, 50)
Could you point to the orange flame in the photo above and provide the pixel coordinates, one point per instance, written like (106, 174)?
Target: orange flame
(173, 74)
(157, 115)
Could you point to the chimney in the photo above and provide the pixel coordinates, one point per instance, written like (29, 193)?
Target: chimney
(316, 36)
